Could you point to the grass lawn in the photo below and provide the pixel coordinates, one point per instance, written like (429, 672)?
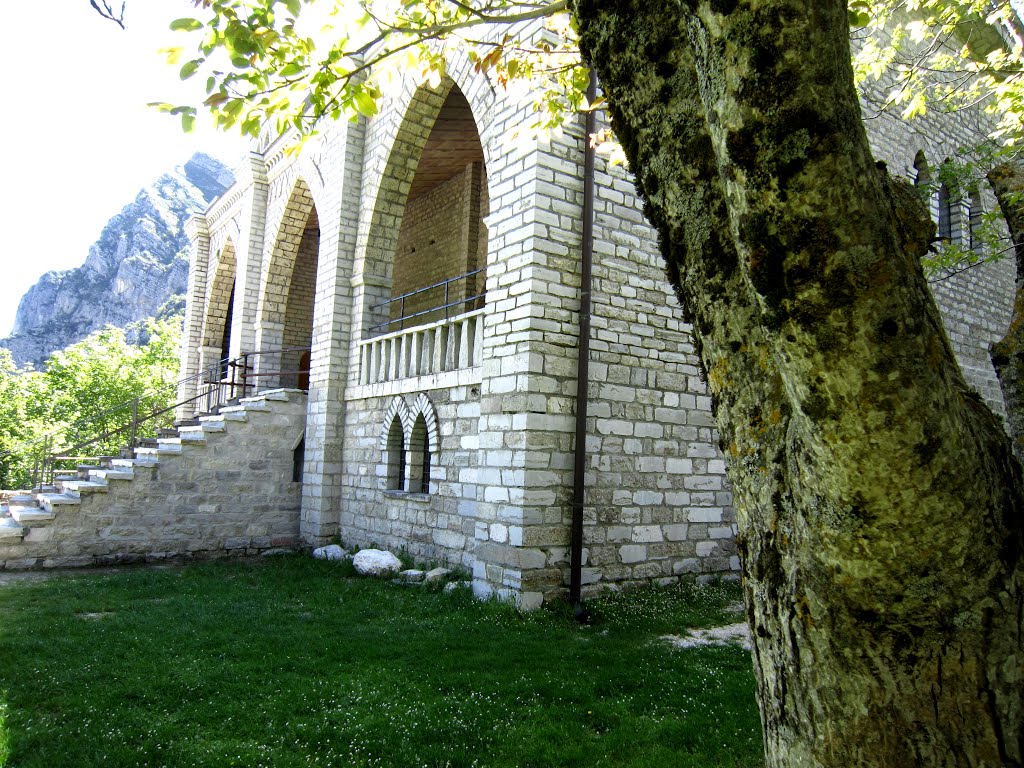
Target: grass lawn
(290, 662)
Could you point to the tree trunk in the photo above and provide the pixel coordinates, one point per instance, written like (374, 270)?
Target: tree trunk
(878, 501)
(1007, 182)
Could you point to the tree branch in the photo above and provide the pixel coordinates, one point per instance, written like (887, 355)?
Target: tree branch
(107, 12)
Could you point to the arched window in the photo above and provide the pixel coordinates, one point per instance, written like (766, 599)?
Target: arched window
(974, 222)
(922, 173)
(945, 213)
(395, 456)
(419, 457)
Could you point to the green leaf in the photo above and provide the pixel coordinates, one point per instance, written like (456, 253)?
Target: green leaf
(293, 7)
(189, 69)
(188, 122)
(365, 103)
(859, 18)
(186, 25)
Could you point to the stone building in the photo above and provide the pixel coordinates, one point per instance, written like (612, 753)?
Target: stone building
(419, 273)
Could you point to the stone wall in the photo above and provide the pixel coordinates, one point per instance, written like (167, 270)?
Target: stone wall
(438, 525)
(976, 304)
(230, 493)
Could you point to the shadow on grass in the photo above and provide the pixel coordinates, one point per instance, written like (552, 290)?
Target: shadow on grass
(288, 662)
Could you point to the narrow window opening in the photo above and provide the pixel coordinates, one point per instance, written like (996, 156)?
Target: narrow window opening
(419, 457)
(425, 473)
(298, 459)
(396, 461)
(945, 213)
(974, 222)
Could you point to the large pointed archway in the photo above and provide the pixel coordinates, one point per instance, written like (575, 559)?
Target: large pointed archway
(285, 313)
(428, 242)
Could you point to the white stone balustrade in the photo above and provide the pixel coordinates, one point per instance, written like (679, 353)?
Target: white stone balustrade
(446, 345)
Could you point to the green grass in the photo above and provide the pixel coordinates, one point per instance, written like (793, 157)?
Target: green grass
(289, 662)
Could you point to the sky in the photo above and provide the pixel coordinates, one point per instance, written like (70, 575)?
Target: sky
(79, 141)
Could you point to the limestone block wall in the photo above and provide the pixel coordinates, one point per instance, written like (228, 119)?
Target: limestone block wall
(657, 503)
(660, 502)
(233, 494)
(438, 525)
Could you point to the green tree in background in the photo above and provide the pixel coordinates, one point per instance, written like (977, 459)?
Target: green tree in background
(85, 391)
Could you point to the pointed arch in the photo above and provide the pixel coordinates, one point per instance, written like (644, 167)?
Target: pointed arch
(423, 444)
(397, 410)
(422, 232)
(394, 442)
(299, 222)
(220, 301)
(423, 407)
(288, 291)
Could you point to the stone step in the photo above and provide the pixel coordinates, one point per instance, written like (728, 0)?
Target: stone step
(11, 529)
(114, 473)
(160, 450)
(254, 403)
(31, 515)
(82, 486)
(279, 395)
(212, 423)
(50, 502)
(169, 444)
(257, 399)
(233, 413)
(191, 435)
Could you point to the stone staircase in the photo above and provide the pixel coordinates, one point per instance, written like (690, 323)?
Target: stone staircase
(220, 486)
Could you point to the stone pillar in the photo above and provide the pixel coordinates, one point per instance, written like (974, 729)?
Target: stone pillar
(209, 373)
(249, 254)
(195, 300)
(267, 364)
(340, 157)
(529, 368)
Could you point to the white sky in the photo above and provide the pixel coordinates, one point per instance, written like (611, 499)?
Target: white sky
(77, 138)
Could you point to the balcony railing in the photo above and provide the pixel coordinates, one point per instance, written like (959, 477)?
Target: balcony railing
(446, 345)
(434, 302)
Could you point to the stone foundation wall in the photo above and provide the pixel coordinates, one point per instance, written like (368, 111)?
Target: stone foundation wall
(434, 526)
(232, 495)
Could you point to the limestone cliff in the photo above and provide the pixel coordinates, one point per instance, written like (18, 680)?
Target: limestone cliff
(138, 263)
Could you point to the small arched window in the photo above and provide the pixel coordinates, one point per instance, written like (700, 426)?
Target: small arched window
(945, 213)
(419, 457)
(974, 213)
(395, 458)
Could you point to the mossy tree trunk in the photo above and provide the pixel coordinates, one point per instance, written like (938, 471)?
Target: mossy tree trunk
(878, 501)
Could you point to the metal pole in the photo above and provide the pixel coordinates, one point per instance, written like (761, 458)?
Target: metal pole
(583, 362)
(135, 424)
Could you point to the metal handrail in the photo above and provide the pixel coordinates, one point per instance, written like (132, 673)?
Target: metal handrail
(446, 305)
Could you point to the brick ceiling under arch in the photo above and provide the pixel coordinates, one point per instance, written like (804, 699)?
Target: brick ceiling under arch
(453, 144)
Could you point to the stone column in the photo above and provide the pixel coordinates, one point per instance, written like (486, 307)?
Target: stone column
(195, 300)
(340, 158)
(249, 254)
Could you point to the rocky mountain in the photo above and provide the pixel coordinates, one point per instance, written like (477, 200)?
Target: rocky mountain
(139, 262)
